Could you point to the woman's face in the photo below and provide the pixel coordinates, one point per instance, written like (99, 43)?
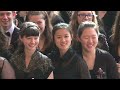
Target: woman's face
(89, 39)
(30, 42)
(62, 39)
(39, 21)
(84, 16)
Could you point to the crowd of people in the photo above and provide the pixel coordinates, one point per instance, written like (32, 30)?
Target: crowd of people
(59, 44)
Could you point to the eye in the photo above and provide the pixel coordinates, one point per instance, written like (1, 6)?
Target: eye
(58, 37)
(8, 14)
(86, 37)
(81, 15)
(39, 22)
(1, 14)
(94, 37)
(66, 36)
(36, 38)
(28, 37)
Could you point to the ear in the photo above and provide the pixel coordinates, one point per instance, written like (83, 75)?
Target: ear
(71, 36)
(14, 13)
(20, 38)
(78, 39)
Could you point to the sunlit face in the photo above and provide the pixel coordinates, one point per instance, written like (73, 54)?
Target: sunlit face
(101, 14)
(30, 42)
(22, 13)
(39, 21)
(6, 19)
(89, 39)
(62, 39)
(84, 16)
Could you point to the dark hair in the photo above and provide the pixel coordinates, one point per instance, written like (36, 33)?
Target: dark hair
(48, 28)
(74, 21)
(29, 29)
(115, 37)
(86, 24)
(61, 26)
(3, 41)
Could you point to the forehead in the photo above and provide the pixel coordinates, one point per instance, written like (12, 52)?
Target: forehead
(36, 16)
(5, 11)
(89, 31)
(62, 31)
(85, 12)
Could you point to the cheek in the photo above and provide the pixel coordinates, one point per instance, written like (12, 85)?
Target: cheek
(43, 24)
(69, 40)
(57, 41)
(42, 27)
(24, 43)
(79, 20)
(37, 41)
(82, 41)
(96, 41)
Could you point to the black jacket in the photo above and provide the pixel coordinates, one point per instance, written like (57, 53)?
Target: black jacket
(70, 66)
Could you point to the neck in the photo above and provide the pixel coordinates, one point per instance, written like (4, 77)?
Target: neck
(62, 52)
(88, 54)
(42, 37)
(118, 50)
(29, 53)
(5, 28)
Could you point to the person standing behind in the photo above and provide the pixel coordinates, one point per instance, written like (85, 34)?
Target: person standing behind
(4, 52)
(9, 28)
(6, 70)
(80, 16)
(114, 40)
(42, 20)
(55, 17)
(101, 63)
(21, 17)
(68, 65)
(27, 61)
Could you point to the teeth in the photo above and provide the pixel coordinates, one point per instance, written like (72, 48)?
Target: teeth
(63, 44)
(89, 45)
(32, 45)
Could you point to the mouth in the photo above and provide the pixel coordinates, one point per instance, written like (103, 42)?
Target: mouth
(63, 44)
(89, 46)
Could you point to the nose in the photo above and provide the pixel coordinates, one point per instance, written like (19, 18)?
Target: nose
(90, 40)
(5, 16)
(63, 39)
(86, 17)
(32, 40)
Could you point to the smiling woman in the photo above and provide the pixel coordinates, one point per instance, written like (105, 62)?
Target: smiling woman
(27, 61)
(41, 18)
(68, 65)
(101, 63)
(6, 70)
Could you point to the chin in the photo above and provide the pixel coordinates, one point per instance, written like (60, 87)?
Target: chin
(90, 50)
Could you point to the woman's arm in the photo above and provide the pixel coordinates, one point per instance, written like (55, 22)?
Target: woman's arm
(7, 71)
(51, 76)
(85, 74)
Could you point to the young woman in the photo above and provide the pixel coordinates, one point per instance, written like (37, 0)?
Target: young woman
(41, 18)
(114, 40)
(27, 61)
(6, 70)
(101, 64)
(68, 65)
(80, 16)
(4, 45)
(55, 17)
